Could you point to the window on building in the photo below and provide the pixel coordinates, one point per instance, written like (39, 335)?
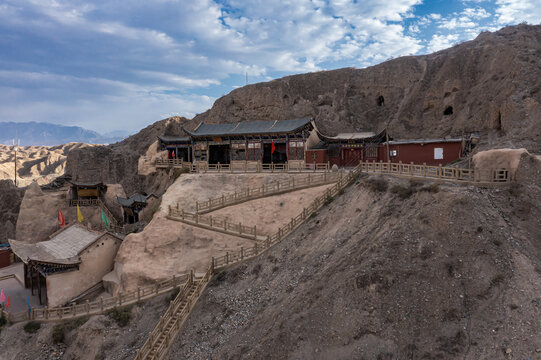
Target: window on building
(371, 152)
(394, 152)
(296, 150)
(438, 153)
(238, 152)
(253, 152)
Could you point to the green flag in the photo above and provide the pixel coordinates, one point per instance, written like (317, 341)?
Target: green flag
(104, 219)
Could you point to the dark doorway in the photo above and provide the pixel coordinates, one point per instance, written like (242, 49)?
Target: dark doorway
(278, 157)
(178, 153)
(381, 100)
(219, 154)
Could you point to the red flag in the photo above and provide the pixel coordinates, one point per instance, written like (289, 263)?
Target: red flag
(273, 148)
(8, 304)
(61, 219)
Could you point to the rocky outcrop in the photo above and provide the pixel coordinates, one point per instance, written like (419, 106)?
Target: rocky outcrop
(38, 215)
(10, 202)
(118, 163)
(489, 85)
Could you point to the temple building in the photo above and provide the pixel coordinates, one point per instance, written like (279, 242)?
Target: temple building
(274, 141)
(133, 206)
(86, 193)
(71, 262)
(299, 142)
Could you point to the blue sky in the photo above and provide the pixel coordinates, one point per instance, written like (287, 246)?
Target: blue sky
(121, 65)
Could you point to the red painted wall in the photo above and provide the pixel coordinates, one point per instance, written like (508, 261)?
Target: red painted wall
(320, 156)
(4, 258)
(422, 153)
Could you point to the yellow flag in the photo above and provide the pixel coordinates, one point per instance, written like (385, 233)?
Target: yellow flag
(79, 214)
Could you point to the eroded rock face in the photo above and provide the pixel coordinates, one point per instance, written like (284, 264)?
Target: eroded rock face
(10, 202)
(118, 163)
(38, 215)
(489, 85)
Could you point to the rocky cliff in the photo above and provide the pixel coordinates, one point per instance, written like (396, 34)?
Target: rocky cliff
(117, 163)
(489, 85)
(10, 203)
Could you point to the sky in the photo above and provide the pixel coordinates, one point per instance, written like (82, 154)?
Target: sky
(122, 65)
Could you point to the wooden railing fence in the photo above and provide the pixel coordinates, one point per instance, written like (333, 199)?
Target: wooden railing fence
(98, 306)
(202, 207)
(453, 174)
(242, 167)
(161, 338)
(214, 223)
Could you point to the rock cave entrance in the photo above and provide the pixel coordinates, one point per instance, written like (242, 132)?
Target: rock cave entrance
(448, 110)
(381, 100)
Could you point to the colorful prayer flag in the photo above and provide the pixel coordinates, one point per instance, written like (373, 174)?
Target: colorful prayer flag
(273, 148)
(80, 217)
(104, 219)
(61, 219)
(8, 304)
(2, 296)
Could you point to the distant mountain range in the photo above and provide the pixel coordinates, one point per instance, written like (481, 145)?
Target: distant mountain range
(37, 133)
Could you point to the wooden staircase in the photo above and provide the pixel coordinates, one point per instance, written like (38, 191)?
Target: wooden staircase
(160, 339)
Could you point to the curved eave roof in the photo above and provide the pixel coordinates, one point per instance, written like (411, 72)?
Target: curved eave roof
(249, 128)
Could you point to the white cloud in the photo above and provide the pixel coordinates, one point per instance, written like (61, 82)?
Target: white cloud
(516, 11)
(440, 42)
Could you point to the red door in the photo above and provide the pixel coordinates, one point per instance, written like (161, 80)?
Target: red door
(351, 156)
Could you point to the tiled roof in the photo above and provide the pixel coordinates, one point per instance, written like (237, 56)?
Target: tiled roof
(250, 127)
(62, 248)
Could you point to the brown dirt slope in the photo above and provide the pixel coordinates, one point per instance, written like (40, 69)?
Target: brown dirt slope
(96, 337)
(492, 84)
(403, 273)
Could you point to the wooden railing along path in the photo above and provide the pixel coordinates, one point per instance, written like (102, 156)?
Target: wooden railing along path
(214, 223)
(98, 306)
(242, 167)
(161, 338)
(445, 173)
(312, 180)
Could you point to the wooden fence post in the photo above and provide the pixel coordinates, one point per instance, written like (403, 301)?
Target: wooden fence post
(197, 206)
(241, 253)
(88, 307)
(268, 241)
(255, 232)
(240, 228)
(212, 264)
(101, 301)
(227, 258)
(255, 248)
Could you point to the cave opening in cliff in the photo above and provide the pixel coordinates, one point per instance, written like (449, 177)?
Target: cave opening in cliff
(381, 100)
(448, 110)
(498, 125)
